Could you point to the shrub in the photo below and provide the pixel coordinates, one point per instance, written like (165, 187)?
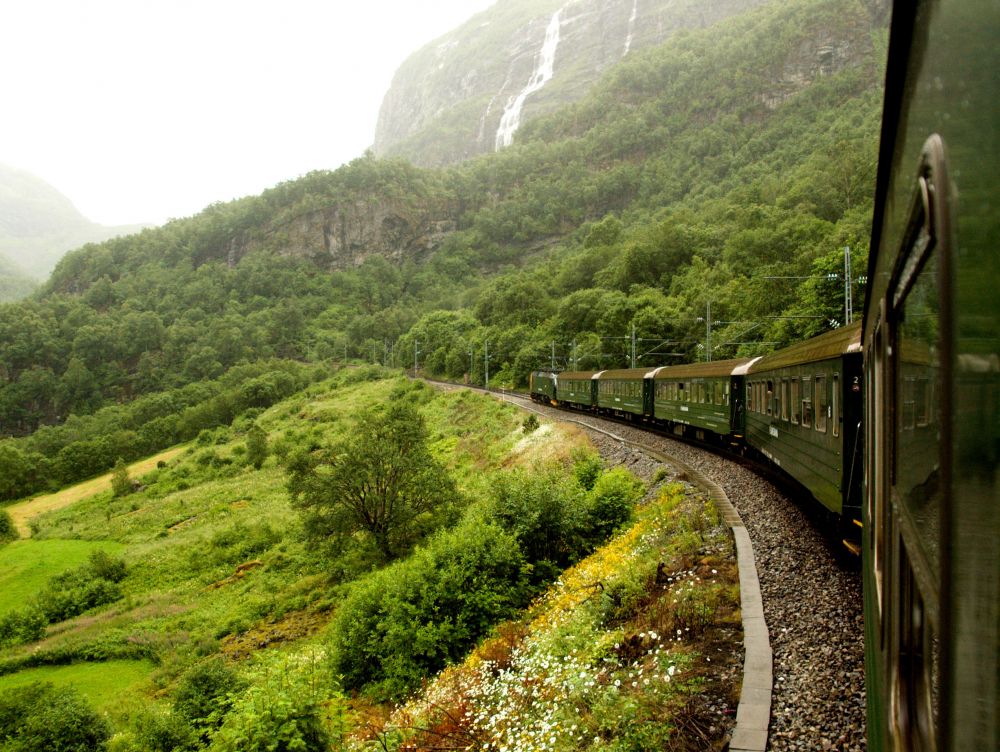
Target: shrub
(294, 707)
(43, 717)
(530, 424)
(610, 502)
(156, 730)
(587, 467)
(24, 625)
(121, 484)
(256, 447)
(544, 511)
(407, 621)
(8, 531)
(88, 586)
(204, 695)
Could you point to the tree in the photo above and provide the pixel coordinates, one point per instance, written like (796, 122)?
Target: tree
(382, 483)
(121, 484)
(256, 447)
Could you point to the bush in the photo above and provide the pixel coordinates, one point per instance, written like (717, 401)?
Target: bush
(530, 424)
(24, 625)
(610, 502)
(204, 695)
(587, 467)
(8, 531)
(93, 584)
(544, 511)
(155, 730)
(121, 484)
(256, 447)
(296, 707)
(407, 621)
(42, 717)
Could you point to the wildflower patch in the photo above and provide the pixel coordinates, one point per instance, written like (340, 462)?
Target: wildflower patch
(636, 647)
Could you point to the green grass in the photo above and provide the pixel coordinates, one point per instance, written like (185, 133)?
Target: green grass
(26, 565)
(187, 534)
(105, 685)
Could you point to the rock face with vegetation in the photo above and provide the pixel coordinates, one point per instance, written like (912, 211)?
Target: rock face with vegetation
(467, 92)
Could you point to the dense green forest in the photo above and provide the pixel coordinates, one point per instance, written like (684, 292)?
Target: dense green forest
(701, 197)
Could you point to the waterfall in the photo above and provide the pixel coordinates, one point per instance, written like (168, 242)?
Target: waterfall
(631, 27)
(544, 65)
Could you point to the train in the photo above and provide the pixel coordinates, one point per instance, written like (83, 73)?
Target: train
(893, 423)
(798, 408)
(931, 354)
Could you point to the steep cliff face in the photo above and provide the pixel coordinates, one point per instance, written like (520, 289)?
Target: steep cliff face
(468, 92)
(346, 233)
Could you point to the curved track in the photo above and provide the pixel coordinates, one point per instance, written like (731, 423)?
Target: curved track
(810, 597)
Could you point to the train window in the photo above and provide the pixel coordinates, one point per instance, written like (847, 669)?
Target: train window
(923, 402)
(821, 403)
(726, 394)
(807, 402)
(914, 675)
(836, 404)
(749, 407)
(916, 453)
(909, 417)
(795, 400)
(769, 397)
(784, 399)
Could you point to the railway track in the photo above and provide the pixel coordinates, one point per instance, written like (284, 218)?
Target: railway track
(810, 593)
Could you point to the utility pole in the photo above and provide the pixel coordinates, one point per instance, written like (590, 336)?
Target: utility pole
(633, 344)
(708, 331)
(848, 297)
(416, 352)
(486, 363)
(553, 356)
(574, 354)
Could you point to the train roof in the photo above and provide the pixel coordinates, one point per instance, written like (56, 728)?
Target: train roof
(624, 374)
(842, 341)
(710, 369)
(578, 375)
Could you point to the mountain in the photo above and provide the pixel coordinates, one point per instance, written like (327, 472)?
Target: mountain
(38, 224)
(469, 91)
(704, 171)
(14, 283)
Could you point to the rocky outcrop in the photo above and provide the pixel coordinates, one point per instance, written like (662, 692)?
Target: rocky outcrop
(457, 97)
(344, 235)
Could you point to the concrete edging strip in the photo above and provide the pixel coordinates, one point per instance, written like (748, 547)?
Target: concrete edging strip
(753, 715)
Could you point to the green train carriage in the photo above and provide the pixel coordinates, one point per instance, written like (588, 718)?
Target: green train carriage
(577, 388)
(701, 399)
(803, 412)
(931, 547)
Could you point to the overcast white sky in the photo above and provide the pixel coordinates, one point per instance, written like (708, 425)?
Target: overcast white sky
(144, 110)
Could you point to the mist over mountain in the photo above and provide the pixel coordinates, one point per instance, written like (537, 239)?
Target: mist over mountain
(38, 224)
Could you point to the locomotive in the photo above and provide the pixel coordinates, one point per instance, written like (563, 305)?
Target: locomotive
(892, 425)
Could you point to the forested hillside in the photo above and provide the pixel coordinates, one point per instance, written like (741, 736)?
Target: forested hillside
(726, 168)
